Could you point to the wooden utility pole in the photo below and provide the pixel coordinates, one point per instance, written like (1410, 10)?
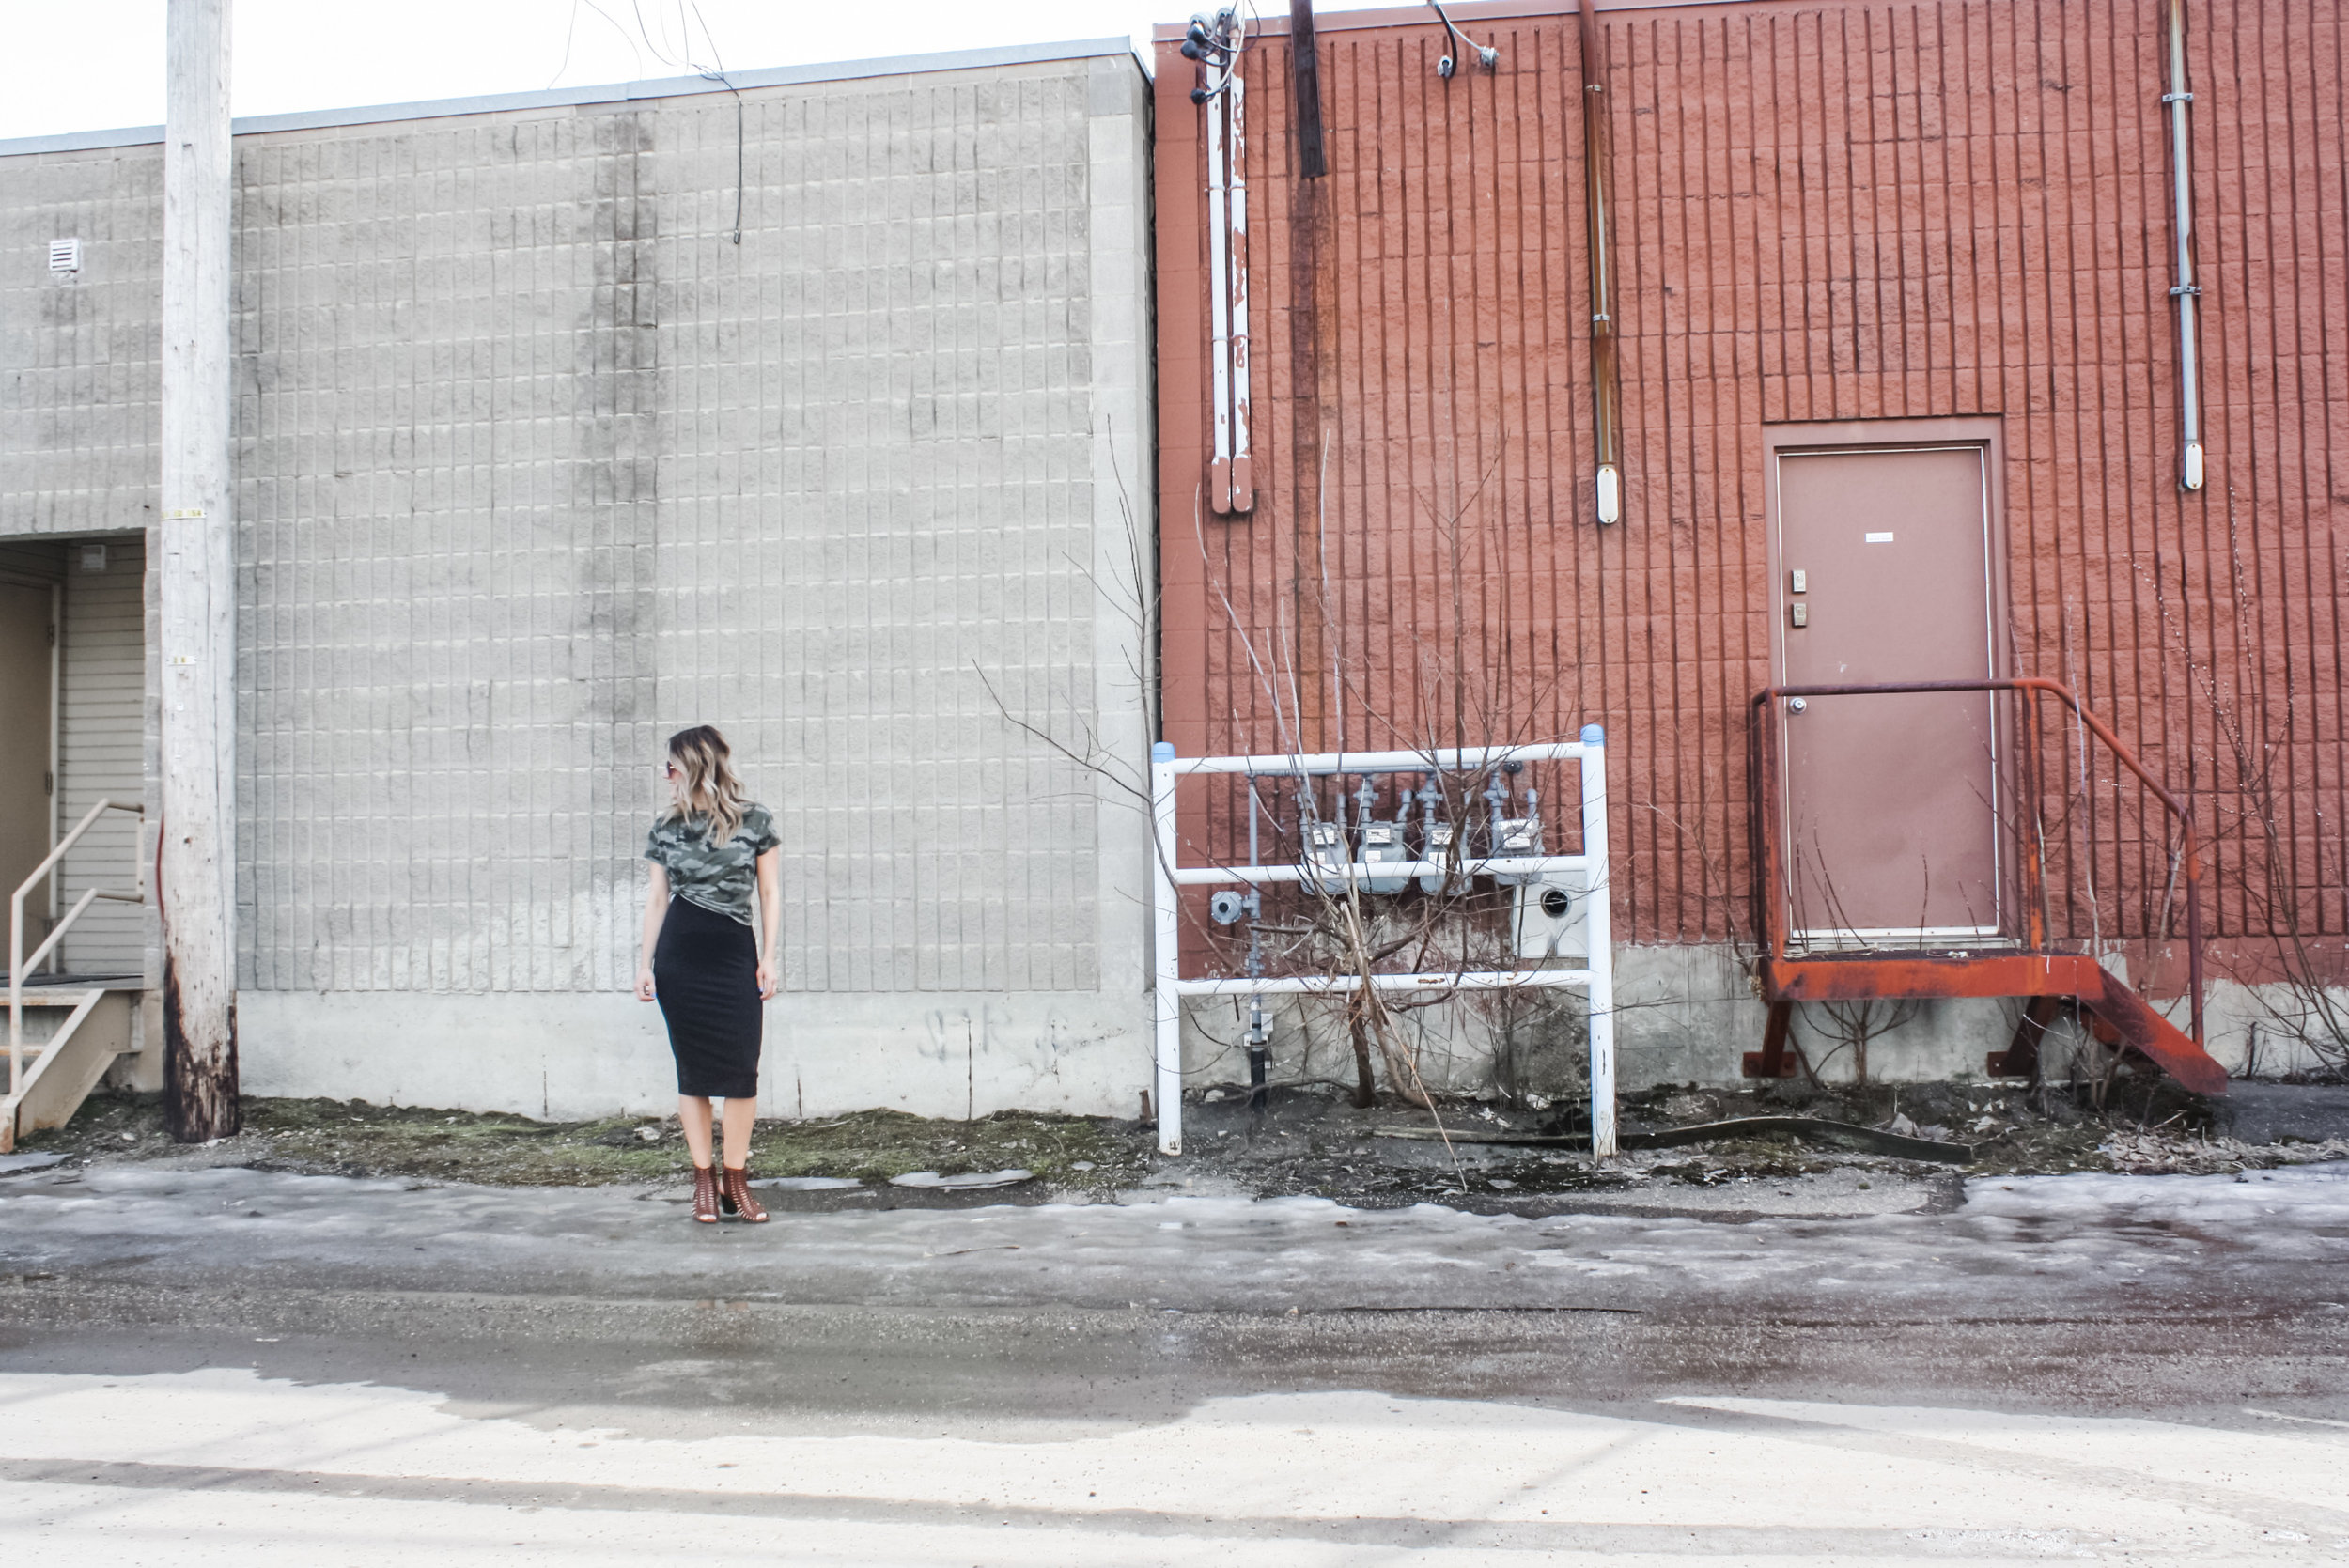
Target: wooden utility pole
(195, 851)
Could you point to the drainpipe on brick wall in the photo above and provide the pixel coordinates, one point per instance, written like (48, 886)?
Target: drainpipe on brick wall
(2186, 290)
(1598, 182)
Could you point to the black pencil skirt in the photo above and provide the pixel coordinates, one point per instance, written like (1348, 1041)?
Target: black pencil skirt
(705, 971)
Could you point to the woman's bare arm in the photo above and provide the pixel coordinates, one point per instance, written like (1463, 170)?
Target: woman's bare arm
(656, 908)
(771, 916)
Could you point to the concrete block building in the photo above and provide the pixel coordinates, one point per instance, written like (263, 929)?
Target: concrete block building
(815, 405)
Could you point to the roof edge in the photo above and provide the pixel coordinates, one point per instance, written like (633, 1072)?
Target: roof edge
(1462, 11)
(614, 92)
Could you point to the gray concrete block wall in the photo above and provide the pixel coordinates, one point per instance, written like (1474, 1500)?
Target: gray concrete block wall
(80, 351)
(545, 465)
(537, 464)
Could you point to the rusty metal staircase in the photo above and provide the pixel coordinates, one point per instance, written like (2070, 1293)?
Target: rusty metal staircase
(2027, 965)
(48, 1077)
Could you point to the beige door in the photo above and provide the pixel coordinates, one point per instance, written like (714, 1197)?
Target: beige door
(1891, 801)
(25, 760)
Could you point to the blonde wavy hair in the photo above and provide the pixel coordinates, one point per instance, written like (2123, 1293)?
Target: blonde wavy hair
(712, 791)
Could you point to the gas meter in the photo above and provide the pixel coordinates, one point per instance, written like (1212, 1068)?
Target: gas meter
(1325, 852)
(1439, 848)
(1517, 837)
(1383, 844)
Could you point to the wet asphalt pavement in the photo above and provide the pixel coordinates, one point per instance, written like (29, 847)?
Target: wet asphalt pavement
(227, 1363)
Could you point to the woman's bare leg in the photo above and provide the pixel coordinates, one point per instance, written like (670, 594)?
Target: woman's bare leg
(740, 1114)
(693, 1111)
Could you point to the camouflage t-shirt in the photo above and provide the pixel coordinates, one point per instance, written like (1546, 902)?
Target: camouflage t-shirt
(720, 878)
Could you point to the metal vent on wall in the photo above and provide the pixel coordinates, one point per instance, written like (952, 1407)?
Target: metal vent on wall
(65, 256)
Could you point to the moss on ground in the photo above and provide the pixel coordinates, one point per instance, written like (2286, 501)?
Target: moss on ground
(355, 1139)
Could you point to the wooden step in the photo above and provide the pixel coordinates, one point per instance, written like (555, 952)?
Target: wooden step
(58, 1074)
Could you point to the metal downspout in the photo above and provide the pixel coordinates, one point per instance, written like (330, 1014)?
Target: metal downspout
(2185, 291)
(1599, 182)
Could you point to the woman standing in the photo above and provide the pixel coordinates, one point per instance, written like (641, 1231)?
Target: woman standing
(710, 851)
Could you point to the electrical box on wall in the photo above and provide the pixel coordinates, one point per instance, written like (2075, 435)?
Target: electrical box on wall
(1551, 917)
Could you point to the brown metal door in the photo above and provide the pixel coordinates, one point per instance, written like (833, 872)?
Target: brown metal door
(1891, 801)
(25, 760)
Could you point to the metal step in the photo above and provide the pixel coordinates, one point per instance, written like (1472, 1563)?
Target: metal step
(1865, 976)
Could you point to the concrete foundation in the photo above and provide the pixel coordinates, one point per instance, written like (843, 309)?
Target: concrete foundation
(1685, 1015)
(574, 1057)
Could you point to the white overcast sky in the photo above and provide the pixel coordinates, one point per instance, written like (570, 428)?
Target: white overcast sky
(86, 65)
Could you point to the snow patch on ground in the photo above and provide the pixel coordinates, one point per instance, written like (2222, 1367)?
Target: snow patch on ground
(2016, 1244)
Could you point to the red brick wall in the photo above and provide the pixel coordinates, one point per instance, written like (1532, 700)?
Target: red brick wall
(1823, 211)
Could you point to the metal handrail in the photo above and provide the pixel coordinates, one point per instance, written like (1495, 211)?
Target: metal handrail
(1776, 917)
(18, 962)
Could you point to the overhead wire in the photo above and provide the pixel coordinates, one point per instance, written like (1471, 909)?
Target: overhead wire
(688, 15)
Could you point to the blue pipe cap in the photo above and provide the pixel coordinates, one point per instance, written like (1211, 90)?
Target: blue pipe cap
(1594, 735)
(1162, 751)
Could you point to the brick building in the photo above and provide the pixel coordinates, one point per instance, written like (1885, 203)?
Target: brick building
(1900, 399)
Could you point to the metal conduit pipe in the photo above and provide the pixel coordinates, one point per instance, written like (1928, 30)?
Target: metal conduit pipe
(1236, 285)
(2185, 291)
(1218, 311)
(1222, 93)
(1598, 183)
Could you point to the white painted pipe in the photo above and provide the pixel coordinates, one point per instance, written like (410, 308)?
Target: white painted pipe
(1360, 871)
(1466, 980)
(1166, 953)
(1219, 310)
(1436, 760)
(1598, 931)
(1243, 496)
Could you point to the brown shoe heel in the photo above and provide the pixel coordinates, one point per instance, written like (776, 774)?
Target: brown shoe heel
(705, 1195)
(735, 1186)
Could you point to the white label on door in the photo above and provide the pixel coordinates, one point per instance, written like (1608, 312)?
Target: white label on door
(1877, 538)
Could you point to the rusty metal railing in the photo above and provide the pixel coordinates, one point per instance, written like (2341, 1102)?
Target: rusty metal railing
(1773, 899)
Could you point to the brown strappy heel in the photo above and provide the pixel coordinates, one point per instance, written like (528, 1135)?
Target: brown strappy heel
(705, 1195)
(733, 1195)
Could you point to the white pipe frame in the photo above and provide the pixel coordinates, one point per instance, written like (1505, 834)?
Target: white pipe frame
(1598, 978)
